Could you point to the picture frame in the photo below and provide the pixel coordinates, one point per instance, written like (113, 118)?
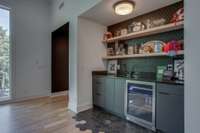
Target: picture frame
(112, 67)
(179, 69)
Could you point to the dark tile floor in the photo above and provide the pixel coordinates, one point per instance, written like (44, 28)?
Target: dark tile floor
(99, 121)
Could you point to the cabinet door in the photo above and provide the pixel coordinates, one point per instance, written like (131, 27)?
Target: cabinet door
(99, 91)
(109, 94)
(119, 92)
(170, 108)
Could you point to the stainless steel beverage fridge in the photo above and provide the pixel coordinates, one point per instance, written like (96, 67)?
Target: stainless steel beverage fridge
(140, 103)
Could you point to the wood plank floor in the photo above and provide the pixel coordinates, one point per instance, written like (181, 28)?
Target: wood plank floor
(44, 115)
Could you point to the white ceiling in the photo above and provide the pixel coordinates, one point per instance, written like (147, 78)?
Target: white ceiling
(103, 12)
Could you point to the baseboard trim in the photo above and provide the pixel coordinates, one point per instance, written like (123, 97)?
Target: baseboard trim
(22, 99)
(5, 99)
(57, 94)
(85, 107)
(72, 107)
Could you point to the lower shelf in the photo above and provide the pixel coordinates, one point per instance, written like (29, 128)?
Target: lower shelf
(140, 55)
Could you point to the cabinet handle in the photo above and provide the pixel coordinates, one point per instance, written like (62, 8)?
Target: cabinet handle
(98, 94)
(164, 93)
(98, 83)
(169, 94)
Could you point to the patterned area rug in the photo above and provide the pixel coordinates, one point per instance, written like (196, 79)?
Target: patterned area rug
(99, 121)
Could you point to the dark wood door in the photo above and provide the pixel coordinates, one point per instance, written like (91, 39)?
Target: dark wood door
(60, 59)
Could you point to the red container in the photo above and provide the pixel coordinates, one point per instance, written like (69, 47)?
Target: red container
(172, 46)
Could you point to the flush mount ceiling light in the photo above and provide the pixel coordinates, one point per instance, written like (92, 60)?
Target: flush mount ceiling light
(124, 7)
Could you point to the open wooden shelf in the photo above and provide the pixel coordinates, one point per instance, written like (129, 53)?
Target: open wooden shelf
(140, 55)
(152, 31)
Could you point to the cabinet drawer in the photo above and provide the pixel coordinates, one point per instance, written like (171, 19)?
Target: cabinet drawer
(99, 100)
(98, 80)
(167, 89)
(98, 85)
(99, 90)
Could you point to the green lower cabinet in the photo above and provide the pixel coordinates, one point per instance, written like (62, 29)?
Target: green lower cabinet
(114, 95)
(170, 108)
(119, 92)
(109, 94)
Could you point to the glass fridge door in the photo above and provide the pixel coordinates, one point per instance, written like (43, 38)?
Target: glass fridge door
(139, 101)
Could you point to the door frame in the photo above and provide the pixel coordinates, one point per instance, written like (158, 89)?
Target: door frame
(66, 24)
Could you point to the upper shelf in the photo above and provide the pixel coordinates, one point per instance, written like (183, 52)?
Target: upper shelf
(152, 31)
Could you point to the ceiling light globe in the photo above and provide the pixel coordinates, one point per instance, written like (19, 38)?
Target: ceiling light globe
(124, 7)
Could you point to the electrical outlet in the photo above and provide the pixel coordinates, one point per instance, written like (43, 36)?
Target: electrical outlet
(61, 5)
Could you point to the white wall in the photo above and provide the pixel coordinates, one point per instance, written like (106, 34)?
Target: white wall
(90, 52)
(69, 13)
(192, 66)
(31, 46)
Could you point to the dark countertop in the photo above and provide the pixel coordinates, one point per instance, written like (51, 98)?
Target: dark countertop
(175, 82)
(100, 72)
(104, 73)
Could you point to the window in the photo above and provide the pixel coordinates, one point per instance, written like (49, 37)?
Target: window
(4, 53)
